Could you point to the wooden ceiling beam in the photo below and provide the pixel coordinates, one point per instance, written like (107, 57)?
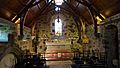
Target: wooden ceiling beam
(72, 13)
(24, 10)
(92, 10)
(91, 7)
(75, 12)
(42, 10)
(73, 8)
(22, 15)
(36, 3)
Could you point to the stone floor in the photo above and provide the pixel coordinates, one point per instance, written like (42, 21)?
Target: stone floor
(59, 64)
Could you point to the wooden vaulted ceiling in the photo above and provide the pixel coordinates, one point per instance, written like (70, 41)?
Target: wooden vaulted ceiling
(38, 8)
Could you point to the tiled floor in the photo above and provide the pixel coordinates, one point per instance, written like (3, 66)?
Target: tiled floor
(59, 64)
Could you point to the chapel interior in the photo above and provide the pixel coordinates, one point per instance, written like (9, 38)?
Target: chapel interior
(59, 33)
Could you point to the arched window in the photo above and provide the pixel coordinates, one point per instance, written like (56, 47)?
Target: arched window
(58, 27)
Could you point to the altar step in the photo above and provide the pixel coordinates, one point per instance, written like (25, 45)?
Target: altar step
(58, 53)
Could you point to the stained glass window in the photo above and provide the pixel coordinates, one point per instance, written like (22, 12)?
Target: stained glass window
(58, 27)
(58, 2)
